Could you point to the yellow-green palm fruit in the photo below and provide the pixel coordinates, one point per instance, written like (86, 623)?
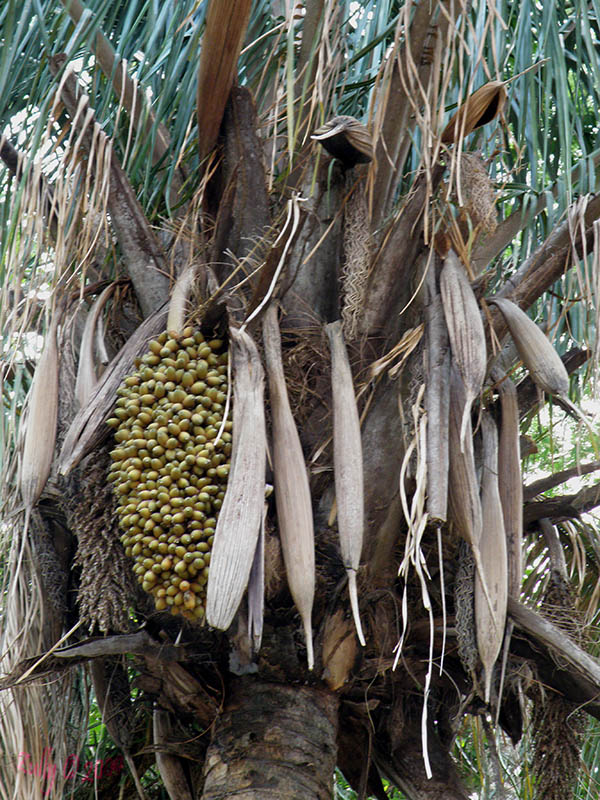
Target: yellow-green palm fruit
(170, 465)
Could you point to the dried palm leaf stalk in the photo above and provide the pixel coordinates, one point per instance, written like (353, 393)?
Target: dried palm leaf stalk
(169, 766)
(465, 328)
(436, 402)
(292, 490)
(510, 483)
(464, 503)
(226, 24)
(490, 622)
(86, 379)
(178, 301)
(239, 520)
(539, 356)
(348, 464)
(481, 107)
(346, 138)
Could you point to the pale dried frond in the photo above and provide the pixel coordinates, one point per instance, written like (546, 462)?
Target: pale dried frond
(292, 490)
(240, 516)
(348, 464)
(490, 621)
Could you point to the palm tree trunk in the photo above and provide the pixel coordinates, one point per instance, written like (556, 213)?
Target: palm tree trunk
(273, 742)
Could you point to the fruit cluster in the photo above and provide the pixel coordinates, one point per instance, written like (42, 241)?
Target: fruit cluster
(170, 466)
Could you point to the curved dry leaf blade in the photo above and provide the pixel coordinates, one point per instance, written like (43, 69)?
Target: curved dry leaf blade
(480, 108)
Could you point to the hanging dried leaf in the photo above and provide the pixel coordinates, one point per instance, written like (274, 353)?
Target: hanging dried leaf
(480, 108)
(347, 139)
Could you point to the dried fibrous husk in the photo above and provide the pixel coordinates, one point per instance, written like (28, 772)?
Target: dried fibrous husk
(510, 483)
(169, 766)
(346, 138)
(40, 431)
(106, 587)
(292, 490)
(464, 502)
(348, 464)
(357, 260)
(477, 193)
(178, 301)
(437, 403)
(481, 107)
(240, 516)
(86, 379)
(465, 328)
(538, 355)
(490, 622)
(339, 650)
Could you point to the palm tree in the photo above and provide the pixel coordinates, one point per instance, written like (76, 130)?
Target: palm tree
(257, 171)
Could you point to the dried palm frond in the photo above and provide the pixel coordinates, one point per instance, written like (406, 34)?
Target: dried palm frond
(348, 464)
(347, 139)
(490, 621)
(239, 521)
(465, 328)
(292, 490)
(480, 108)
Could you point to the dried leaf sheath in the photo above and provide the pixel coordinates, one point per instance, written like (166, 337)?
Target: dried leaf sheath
(490, 622)
(239, 520)
(292, 490)
(437, 401)
(348, 463)
(465, 328)
(510, 482)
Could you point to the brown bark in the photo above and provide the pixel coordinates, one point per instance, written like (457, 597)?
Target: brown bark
(273, 742)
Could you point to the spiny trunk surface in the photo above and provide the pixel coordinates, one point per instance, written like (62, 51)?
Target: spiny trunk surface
(273, 742)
